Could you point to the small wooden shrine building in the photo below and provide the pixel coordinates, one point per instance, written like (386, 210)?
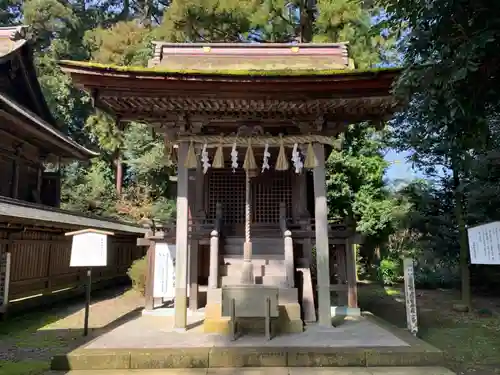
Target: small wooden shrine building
(252, 125)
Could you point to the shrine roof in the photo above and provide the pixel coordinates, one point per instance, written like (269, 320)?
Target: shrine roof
(40, 132)
(22, 101)
(16, 56)
(209, 73)
(235, 80)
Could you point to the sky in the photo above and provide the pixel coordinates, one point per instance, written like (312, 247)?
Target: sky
(399, 168)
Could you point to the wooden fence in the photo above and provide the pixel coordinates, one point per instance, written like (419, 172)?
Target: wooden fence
(39, 261)
(35, 254)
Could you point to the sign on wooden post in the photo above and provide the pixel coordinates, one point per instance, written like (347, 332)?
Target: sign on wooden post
(484, 243)
(410, 296)
(164, 271)
(89, 249)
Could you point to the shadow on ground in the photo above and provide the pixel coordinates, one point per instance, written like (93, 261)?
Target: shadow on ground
(29, 341)
(471, 341)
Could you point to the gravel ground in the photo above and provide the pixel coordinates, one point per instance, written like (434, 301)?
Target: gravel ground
(40, 335)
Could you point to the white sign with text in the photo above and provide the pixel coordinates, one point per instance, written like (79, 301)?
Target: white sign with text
(89, 249)
(484, 243)
(164, 271)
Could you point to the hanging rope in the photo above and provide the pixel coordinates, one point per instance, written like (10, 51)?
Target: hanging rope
(249, 162)
(190, 162)
(281, 162)
(217, 141)
(219, 156)
(310, 161)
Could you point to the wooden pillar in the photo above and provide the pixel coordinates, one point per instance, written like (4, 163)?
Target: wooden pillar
(341, 273)
(213, 276)
(14, 192)
(194, 248)
(150, 260)
(181, 266)
(322, 248)
(352, 288)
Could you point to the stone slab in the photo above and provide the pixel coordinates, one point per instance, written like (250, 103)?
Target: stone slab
(170, 358)
(150, 342)
(247, 357)
(272, 371)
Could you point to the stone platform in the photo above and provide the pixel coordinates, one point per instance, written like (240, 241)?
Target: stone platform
(149, 342)
(272, 371)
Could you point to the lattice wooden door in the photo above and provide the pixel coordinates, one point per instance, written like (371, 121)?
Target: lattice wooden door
(268, 191)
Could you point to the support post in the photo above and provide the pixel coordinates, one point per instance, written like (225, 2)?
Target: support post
(181, 266)
(352, 288)
(322, 248)
(214, 260)
(148, 290)
(87, 302)
(247, 272)
(289, 266)
(196, 214)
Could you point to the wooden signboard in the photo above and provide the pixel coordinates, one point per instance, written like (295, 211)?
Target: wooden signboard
(484, 243)
(89, 248)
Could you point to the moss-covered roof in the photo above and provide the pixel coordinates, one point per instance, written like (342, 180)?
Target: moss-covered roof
(267, 72)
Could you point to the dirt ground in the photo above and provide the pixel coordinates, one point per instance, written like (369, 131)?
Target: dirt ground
(28, 342)
(471, 341)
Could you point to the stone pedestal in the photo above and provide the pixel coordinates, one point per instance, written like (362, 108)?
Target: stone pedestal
(289, 320)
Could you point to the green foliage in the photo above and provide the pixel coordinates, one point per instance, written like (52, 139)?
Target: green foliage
(137, 274)
(89, 189)
(390, 271)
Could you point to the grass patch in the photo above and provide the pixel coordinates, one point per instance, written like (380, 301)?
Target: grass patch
(23, 368)
(471, 341)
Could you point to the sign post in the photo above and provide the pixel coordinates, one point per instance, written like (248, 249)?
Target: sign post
(89, 249)
(410, 298)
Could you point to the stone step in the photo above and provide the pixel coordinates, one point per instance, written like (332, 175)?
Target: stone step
(407, 370)
(258, 269)
(274, 280)
(259, 259)
(256, 250)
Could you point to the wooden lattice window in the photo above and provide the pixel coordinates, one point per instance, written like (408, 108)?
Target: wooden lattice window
(227, 188)
(269, 190)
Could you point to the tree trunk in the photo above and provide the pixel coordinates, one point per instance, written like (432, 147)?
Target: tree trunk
(463, 240)
(119, 173)
(307, 20)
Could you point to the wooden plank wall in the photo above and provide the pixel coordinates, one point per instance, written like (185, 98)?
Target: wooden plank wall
(40, 261)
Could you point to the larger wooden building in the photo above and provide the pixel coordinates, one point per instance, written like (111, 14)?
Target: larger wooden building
(252, 125)
(34, 253)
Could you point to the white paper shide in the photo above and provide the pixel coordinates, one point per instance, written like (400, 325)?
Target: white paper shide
(484, 243)
(89, 249)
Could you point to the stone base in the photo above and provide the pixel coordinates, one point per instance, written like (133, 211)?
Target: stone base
(344, 311)
(216, 357)
(289, 320)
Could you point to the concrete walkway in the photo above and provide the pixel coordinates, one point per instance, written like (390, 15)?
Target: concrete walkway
(273, 371)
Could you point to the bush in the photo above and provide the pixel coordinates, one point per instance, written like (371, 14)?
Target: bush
(390, 271)
(436, 275)
(137, 274)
